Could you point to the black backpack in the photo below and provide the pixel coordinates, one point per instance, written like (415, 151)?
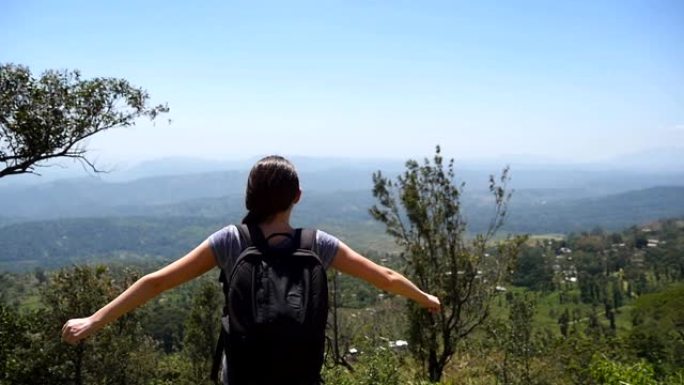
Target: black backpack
(276, 310)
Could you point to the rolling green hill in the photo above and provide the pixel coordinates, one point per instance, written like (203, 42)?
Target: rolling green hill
(611, 212)
(168, 231)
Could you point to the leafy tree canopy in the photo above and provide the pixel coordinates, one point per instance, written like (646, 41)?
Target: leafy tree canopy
(50, 116)
(422, 211)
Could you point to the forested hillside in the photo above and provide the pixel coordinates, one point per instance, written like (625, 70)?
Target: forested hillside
(610, 212)
(589, 308)
(167, 231)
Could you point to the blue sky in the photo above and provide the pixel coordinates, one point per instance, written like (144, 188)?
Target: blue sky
(572, 81)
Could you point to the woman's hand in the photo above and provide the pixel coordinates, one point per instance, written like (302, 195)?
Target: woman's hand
(431, 303)
(74, 330)
(193, 264)
(350, 262)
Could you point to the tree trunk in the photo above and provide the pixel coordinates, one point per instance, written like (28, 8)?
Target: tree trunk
(338, 357)
(78, 365)
(336, 341)
(434, 367)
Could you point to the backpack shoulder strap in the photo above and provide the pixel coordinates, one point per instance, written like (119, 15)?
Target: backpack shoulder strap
(245, 234)
(307, 239)
(246, 237)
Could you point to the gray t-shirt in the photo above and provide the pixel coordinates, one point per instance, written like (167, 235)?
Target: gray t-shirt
(228, 245)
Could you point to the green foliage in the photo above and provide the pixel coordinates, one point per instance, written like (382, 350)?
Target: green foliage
(143, 241)
(520, 348)
(154, 345)
(173, 369)
(375, 365)
(119, 354)
(532, 270)
(608, 372)
(380, 367)
(49, 117)
(75, 240)
(13, 337)
(658, 332)
(422, 211)
(201, 331)
(164, 319)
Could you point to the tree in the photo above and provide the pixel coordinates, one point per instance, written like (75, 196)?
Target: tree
(50, 117)
(564, 322)
(118, 354)
(532, 270)
(606, 371)
(422, 211)
(338, 357)
(201, 331)
(519, 343)
(657, 333)
(13, 338)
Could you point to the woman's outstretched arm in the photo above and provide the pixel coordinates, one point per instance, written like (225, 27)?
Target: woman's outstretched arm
(193, 264)
(350, 262)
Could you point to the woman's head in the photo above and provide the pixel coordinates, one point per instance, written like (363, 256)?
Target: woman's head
(272, 187)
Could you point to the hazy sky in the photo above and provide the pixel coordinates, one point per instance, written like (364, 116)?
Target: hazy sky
(574, 80)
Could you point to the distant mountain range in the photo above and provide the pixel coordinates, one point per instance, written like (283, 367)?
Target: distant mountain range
(163, 216)
(93, 197)
(654, 161)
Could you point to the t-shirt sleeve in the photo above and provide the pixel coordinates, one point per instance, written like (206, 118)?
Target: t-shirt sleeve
(225, 244)
(327, 247)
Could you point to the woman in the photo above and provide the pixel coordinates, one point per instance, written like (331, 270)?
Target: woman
(272, 192)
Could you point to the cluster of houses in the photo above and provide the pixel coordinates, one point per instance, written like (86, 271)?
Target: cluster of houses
(651, 242)
(393, 345)
(564, 266)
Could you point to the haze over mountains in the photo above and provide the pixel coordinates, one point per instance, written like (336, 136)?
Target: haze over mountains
(154, 187)
(654, 161)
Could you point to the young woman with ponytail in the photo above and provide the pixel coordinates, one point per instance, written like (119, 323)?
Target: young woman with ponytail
(272, 191)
